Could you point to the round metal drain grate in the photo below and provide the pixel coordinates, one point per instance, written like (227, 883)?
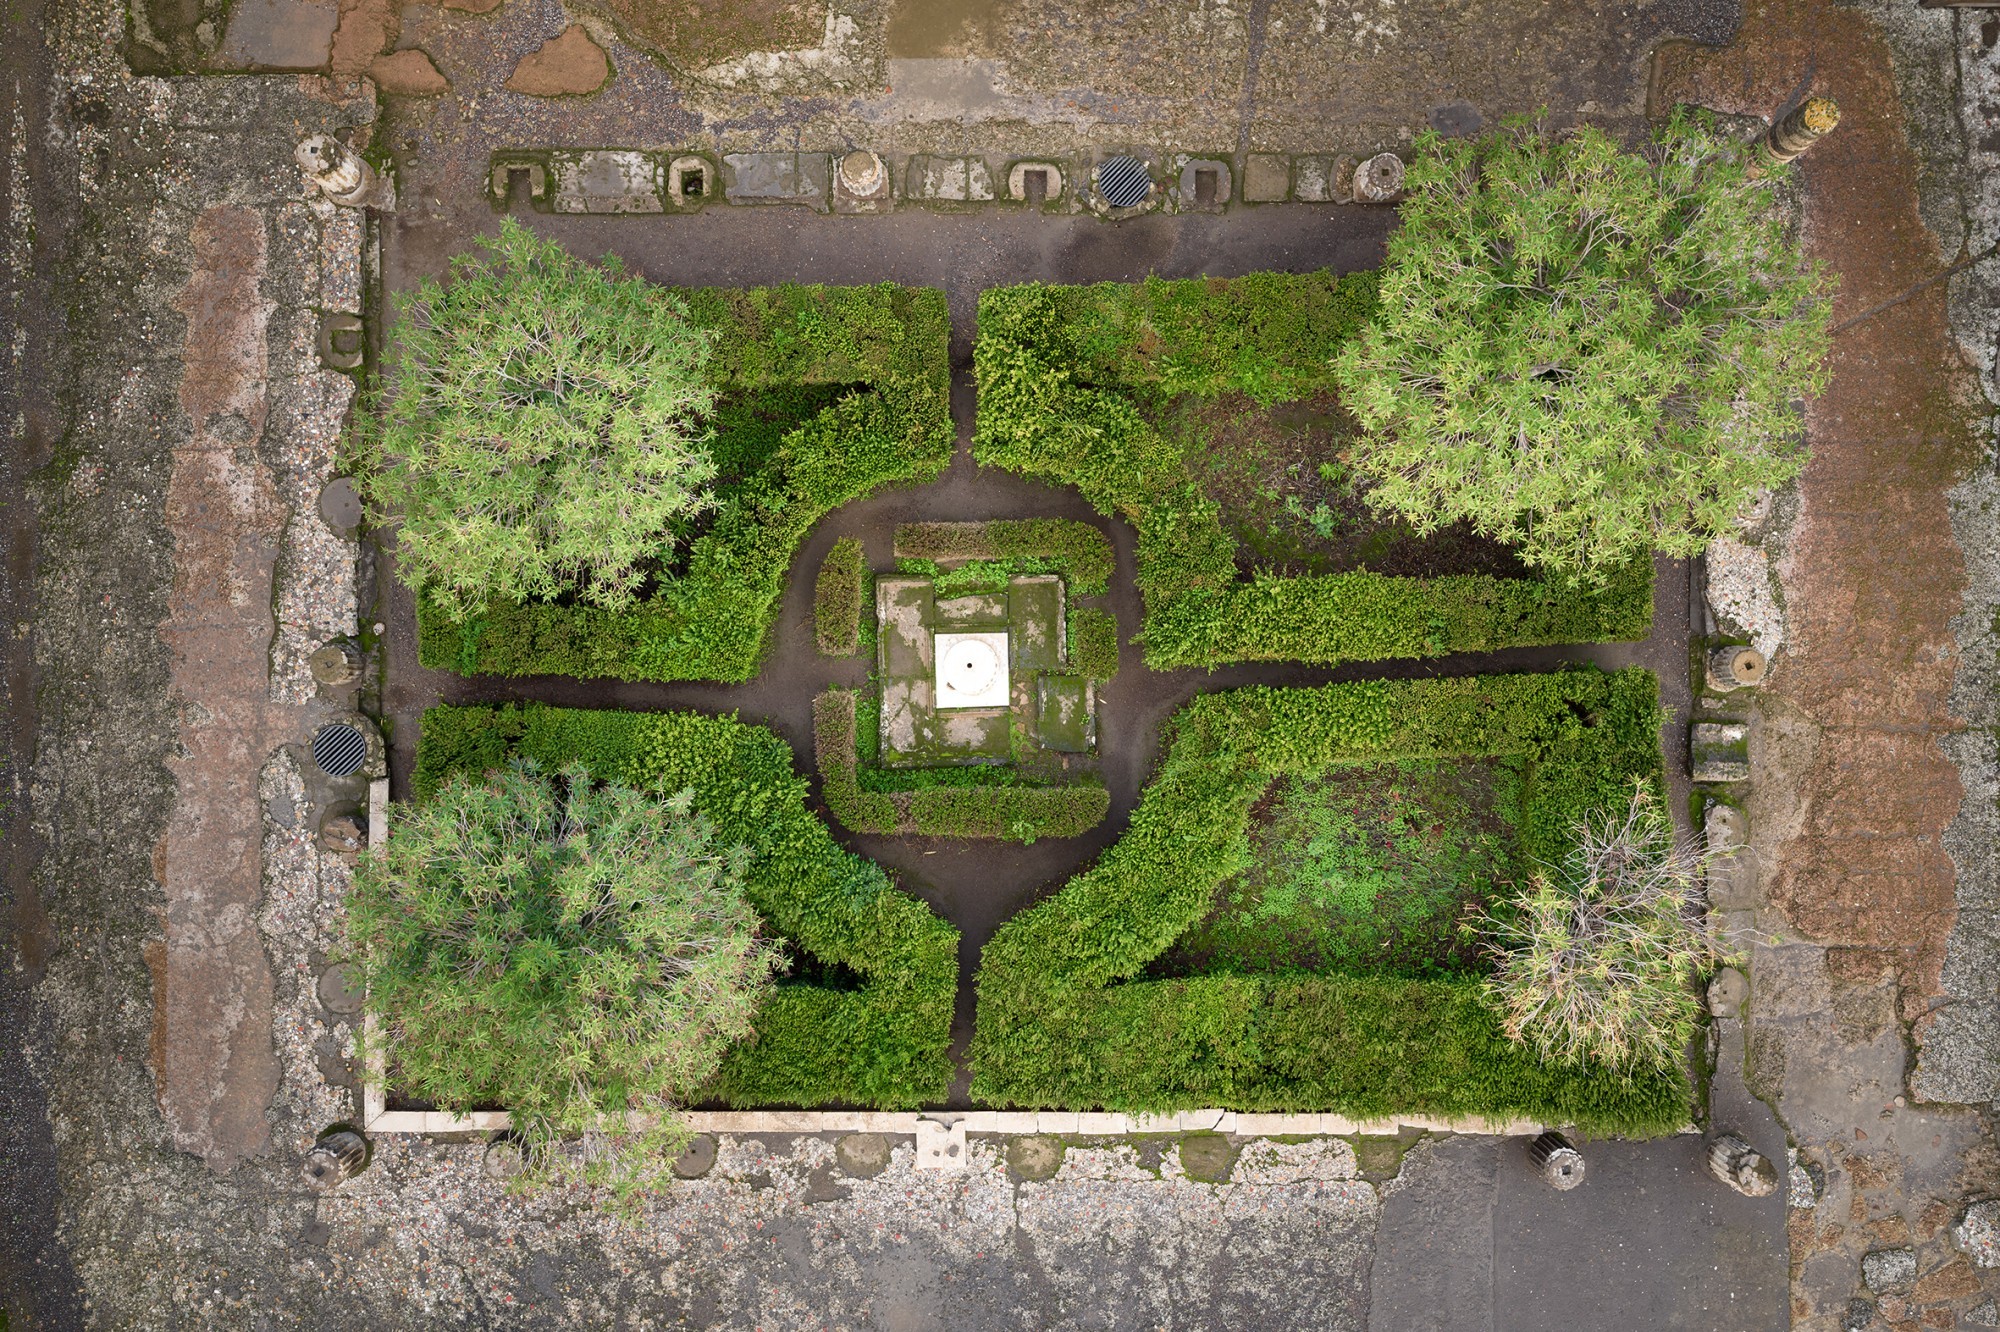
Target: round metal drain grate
(1123, 182)
(339, 749)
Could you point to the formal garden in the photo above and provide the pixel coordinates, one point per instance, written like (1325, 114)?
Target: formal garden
(1434, 891)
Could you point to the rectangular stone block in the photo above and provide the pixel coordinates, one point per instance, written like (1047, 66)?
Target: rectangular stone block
(940, 1146)
(893, 1122)
(1267, 178)
(1199, 1121)
(980, 610)
(1156, 1123)
(1719, 751)
(980, 1121)
(1102, 1124)
(948, 179)
(1021, 1122)
(800, 178)
(605, 180)
(1035, 608)
(1055, 1121)
(905, 610)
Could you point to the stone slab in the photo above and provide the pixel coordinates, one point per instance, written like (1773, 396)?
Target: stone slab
(940, 1146)
(908, 710)
(1316, 179)
(971, 734)
(279, 35)
(1035, 612)
(981, 610)
(1062, 714)
(605, 181)
(948, 179)
(1267, 178)
(904, 610)
(757, 178)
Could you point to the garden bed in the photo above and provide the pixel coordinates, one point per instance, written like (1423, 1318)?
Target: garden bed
(1113, 388)
(826, 394)
(864, 1016)
(895, 759)
(1065, 1018)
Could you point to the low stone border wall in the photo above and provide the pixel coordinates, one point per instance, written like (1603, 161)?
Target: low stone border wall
(1061, 1123)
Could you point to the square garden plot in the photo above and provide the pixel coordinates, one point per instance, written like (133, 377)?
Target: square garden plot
(1202, 411)
(826, 394)
(1230, 950)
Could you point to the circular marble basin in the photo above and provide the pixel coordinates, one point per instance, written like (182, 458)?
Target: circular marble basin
(969, 668)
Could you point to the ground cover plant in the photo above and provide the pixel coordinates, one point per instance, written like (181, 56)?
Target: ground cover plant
(542, 429)
(571, 951)
(862, 1015)
(1373, 868)
(1066, 1018)
(822, 395)
(1079, 385)
(1587, 353)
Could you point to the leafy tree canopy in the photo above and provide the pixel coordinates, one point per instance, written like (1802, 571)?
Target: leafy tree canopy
(1582, 351)
(542, 429)
(563, 950)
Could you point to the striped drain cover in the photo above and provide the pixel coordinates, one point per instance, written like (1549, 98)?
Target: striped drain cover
(1123, 181)
(338, 749)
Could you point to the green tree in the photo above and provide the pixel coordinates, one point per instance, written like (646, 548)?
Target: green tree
(1582, 351)
(541, 429)
(1598, 962)
(568, 951)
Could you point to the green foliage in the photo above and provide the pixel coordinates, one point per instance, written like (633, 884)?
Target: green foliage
(883, 1044)
(1093, 643)
(1079, 552)
(947, 802)
(1583, 352)
(569, 951)
(1366, 867)
(884, 347)
(1043, 360)
(1600, 961)
(837, 599)
(1063, 1019)
(541, 429)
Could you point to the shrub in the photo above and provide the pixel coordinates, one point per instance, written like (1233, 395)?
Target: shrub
(881, 1040)
(541, 434)
(1064, 1018)
(837, 598)
(1583, 352)
(1077, 551)
(883, 347)
(570, 951)
(947, 802)
(1048, 363)
(1093, 643)
(1599, 962)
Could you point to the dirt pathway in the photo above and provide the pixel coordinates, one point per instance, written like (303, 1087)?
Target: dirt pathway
(1853, 791)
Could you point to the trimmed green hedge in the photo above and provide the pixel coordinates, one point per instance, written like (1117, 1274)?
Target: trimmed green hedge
(882, 1044)
(1057, 370)
(709, 623)
(1093, 643)
(1062, 1021)
(1010, 809)
(837, 597)
(1077, 551)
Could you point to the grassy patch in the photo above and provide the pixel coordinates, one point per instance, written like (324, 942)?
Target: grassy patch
(1364, 868)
